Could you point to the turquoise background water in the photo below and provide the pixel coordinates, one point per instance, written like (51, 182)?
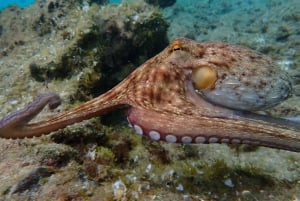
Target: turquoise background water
(25, 3)
(20, 3)
(115, 1)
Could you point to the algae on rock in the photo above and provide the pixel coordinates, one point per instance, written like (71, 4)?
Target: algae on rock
(79, 51)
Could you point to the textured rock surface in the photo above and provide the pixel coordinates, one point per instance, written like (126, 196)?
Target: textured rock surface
(79, 51)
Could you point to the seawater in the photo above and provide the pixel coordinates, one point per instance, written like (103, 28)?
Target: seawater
(24, 3)
(115, 1)
(21, 3)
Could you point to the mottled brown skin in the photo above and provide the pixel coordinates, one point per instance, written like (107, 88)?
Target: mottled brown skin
(163, 100)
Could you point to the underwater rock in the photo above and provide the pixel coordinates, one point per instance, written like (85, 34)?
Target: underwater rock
(33, 180)
(98, 44)
(137, 27)
(84, 51)
(161, 3)
(84, 43)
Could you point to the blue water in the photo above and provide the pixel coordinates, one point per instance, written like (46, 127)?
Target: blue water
(24, 3)
(20, 3)
(115, 1)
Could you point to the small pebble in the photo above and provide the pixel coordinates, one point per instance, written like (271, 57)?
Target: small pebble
(229, 183)
(180, 187)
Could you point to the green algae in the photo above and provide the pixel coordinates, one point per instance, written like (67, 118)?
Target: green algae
(149, 170)
(104, 156)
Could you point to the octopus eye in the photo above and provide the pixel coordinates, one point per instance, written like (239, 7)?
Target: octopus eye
(176, 46)
(204, 77)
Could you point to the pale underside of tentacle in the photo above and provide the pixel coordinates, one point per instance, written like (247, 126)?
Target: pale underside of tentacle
(249, 129)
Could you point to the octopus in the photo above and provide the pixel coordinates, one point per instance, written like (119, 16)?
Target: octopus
(189, 93)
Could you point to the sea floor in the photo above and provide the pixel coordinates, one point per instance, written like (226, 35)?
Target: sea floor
(80, 50)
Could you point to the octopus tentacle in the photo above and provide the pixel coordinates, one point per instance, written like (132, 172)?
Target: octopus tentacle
(12, 126)
(15, 125)
(249, 128)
